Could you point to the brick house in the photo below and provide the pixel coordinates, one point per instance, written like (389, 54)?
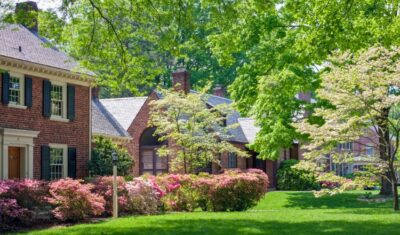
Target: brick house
(45, 128)
(127, 119)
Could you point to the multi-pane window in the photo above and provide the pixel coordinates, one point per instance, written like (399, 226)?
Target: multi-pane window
(56, 163)
(57, 101)
(369, 150)
(232, 160)
(346, 146)
(15, 90)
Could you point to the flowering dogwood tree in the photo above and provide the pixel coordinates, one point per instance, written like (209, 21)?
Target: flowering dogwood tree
(363, 93)
(197, 134)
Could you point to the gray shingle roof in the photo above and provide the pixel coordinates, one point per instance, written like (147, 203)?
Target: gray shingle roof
(236, 134)
(34, 49)
(249, 128)
(103, 123)
(124, 110)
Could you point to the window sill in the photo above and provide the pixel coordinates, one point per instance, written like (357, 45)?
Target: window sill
(59, 119)
(17, 106)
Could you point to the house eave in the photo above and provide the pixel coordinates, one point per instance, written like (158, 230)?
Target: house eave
(45, 71)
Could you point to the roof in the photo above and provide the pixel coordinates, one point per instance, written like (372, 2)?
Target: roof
(20, 43)
(237, 134)
(103, 123)
(124, 110)
(249, 128)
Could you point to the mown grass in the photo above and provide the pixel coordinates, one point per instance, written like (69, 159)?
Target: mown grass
(277, 213)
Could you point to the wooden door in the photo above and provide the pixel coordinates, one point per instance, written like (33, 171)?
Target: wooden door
(14, 163)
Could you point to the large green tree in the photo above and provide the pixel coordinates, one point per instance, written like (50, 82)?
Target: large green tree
(132, 45)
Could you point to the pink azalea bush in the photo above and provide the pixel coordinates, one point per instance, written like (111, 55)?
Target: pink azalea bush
(19, 199)
(232, 190)
(103, 185)
(143, 197)
(180, 194)
(74, 200)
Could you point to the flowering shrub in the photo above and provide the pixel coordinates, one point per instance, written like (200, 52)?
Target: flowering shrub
(19, 199)
(103, 186)
(232, 191)
(180, 194)
(74, 200)
(143, 197)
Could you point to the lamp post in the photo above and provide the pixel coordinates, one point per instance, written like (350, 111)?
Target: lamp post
(115, 186)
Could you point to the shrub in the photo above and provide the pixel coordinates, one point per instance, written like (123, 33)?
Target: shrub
(179, 192)
(143, 196)
(103, 185)
(232, 190)
(74, 201)
(20, 199)
(290, 178)
(30, 194)
(101, 161)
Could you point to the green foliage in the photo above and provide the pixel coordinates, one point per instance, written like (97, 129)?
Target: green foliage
(196, 133)
(101, 162)
(290, 178)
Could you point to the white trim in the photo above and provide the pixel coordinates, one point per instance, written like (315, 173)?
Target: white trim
(58, 119)
(65, 156)
(21, 79)
(42, 71)
(63, 117)
(115, 139)
(17, 138)
(17, 106)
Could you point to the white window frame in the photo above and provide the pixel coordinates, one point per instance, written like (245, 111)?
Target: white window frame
(65, 157)
(348, 146)
(21, 78)
(63, 116)
(369, 146)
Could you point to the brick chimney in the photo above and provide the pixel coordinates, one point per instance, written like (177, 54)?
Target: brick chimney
(95, 92)
(27, 14)
(219, 90)
(181, 80)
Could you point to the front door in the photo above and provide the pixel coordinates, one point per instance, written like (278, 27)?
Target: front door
(14, 163)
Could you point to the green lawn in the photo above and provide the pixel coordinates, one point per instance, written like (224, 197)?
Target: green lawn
(277, 213)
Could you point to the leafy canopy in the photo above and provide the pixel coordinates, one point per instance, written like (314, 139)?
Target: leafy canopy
(196, 133)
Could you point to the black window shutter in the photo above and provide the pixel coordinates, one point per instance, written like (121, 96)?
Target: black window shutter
(28, 92)
(72, 163)
(45, 162)
(70, 102)
(46, 98)
(5, 87)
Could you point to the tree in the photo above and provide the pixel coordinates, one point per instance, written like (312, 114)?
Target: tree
(284, 43)
(134, 45)
(363, 90)
(196, 134)
(101, 162)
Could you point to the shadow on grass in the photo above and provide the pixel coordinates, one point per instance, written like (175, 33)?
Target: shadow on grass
(231, 227)
(346, 201)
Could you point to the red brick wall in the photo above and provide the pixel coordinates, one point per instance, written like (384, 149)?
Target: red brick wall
(136, 129)
(241, 162)
(74, 134)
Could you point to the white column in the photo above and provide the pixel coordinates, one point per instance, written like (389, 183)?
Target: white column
(1, 157)
(5, 161)
(29, 161)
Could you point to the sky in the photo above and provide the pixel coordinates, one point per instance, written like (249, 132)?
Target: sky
(44, 4)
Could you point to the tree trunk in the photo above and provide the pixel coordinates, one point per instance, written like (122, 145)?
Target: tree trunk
(384, 151)
(395, 197)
